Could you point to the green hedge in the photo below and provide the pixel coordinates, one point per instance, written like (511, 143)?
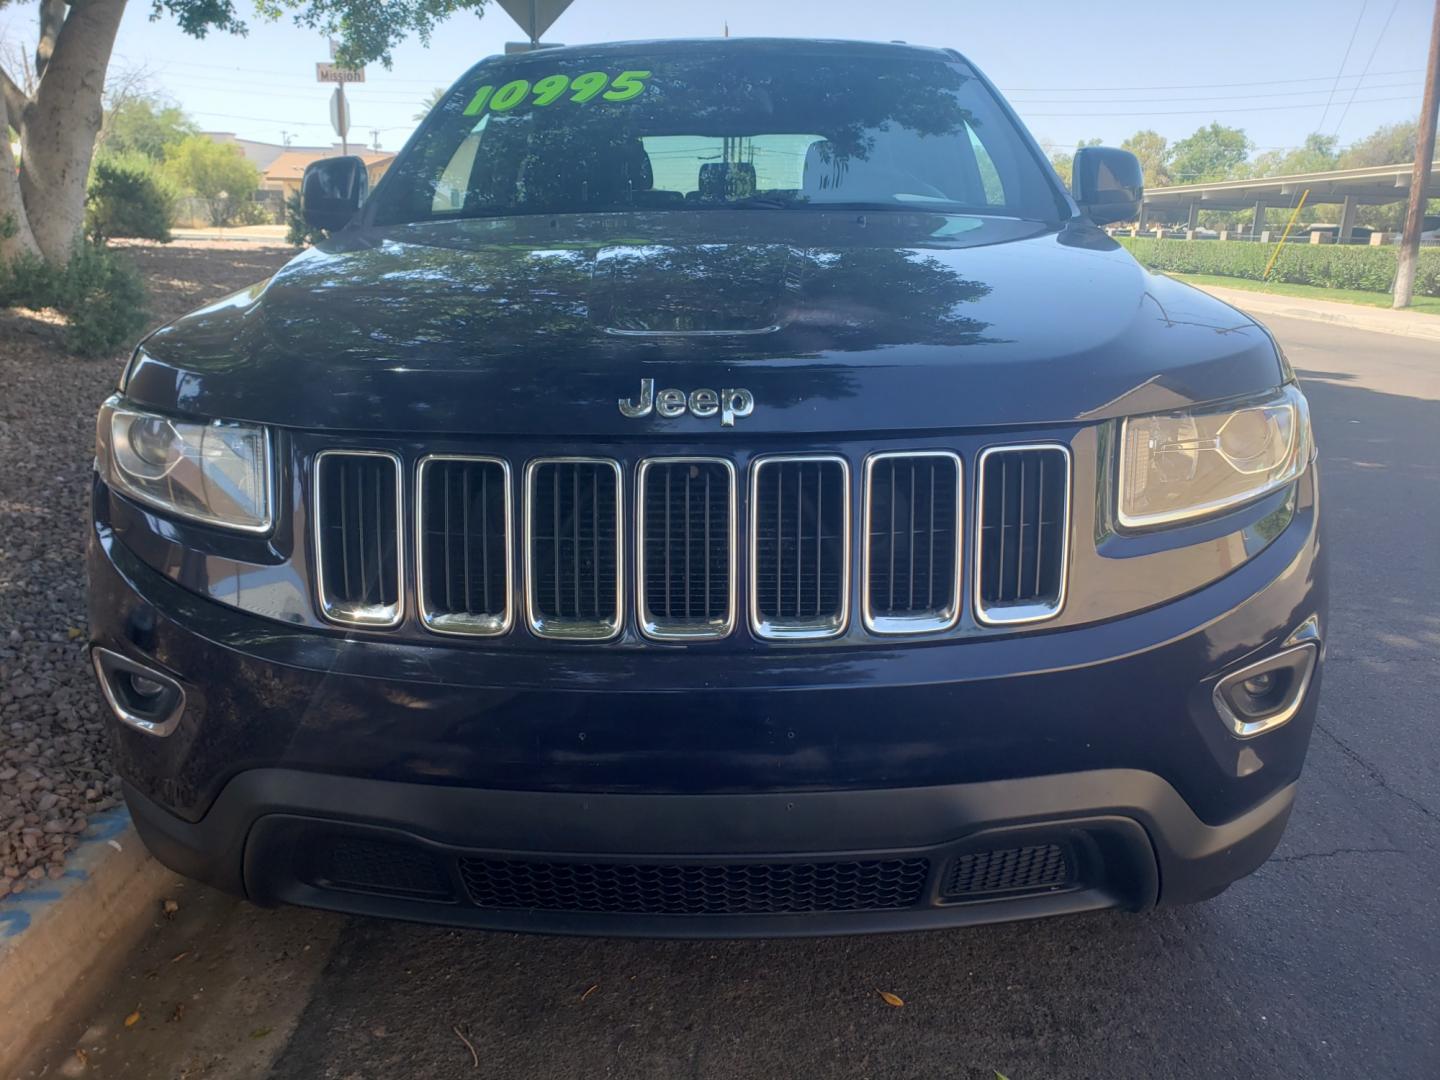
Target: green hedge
(1330, 266)
(100, 294)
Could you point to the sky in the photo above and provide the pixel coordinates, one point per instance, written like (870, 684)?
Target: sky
(1279, 69)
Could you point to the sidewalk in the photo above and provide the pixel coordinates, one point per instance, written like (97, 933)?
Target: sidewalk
(247, 234)
(1377, 320)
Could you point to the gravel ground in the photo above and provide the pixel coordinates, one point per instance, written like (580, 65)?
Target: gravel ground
(54, 755)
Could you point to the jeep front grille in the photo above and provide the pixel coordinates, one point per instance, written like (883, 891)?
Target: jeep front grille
(574, 536)
(1023, 536)
(358, 549)
(800, 546)
(463, 544)
(912, 542)
(685, 553)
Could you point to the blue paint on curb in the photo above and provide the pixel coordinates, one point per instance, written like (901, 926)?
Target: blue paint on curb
(18, 912)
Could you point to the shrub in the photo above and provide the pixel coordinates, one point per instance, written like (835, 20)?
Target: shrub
(100, 295)
(128, 197)
(300, 233)
(216, 172)
(1329, 266)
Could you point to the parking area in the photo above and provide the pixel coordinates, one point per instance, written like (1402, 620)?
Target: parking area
(1321, 965)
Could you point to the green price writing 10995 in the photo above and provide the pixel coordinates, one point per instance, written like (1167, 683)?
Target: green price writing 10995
(626, 86)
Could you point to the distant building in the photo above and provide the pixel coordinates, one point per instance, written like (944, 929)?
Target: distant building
(283, 174)
(281, 167)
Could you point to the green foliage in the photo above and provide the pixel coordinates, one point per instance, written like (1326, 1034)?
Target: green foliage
(1329, 266)
(1212, 153)
(100, 295)
(299, 232)
(431, 100)
(216, 172)
(365, 29)
(1154, 153)
(128, 197)
(145, 125)
(1317, 155)
(1389, 144)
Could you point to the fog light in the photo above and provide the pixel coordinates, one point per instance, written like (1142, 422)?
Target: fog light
(146, 688)
(1259, 685)
(1263, 695)
(145, 699)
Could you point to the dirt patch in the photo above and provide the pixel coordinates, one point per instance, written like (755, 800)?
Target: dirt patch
(54, 757)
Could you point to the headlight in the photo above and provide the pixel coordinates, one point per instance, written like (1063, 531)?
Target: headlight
(216, 472)
(1188, 465)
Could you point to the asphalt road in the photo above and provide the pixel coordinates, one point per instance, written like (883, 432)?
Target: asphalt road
(1326, 963)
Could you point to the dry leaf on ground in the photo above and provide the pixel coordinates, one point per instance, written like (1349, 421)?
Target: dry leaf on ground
(893, 1000)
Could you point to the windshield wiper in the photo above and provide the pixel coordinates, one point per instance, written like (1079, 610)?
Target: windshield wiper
(761, 202)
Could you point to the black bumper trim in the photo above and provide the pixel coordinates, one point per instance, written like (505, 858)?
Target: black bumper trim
(1151, 846)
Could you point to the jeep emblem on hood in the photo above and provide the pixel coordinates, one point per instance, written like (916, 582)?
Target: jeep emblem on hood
(670, 403)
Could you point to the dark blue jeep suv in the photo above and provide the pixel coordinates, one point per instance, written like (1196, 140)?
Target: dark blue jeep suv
(712, 488)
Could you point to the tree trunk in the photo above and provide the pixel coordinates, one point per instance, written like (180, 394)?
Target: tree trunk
(59, 125)
(15, 234)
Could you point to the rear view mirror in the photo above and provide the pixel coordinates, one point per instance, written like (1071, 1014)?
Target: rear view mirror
(1107, 183)
(332, 191)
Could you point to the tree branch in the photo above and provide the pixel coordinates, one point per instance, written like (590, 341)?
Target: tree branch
(52, 17)
(15, 99)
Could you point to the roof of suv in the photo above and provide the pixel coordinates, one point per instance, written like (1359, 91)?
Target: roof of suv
(756, 44)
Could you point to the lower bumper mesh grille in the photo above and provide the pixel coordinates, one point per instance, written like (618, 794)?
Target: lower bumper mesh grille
(695, 889)
(1019, 869)
(360, 864)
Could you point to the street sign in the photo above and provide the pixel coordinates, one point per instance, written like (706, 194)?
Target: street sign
(535, 16)
(334, 73)
(340, 113)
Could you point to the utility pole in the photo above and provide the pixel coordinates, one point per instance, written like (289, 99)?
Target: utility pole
(1420, 178)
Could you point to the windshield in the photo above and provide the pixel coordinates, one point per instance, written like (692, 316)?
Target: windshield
(716, 126)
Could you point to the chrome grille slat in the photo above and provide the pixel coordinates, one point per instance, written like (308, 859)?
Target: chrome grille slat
(463, 544)
(574, 540)
(813, 601)
(685, 547)
(359, 550)
(1022, 538)
(912, 531)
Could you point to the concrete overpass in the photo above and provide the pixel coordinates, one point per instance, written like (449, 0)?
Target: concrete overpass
(1350, 188)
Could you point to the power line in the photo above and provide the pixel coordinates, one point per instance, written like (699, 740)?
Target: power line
(1343, 61)
(1193, 112)
(1192, 86)
(1220, 97)
(1368, 60)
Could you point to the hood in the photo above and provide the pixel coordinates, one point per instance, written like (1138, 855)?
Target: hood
(832, 321)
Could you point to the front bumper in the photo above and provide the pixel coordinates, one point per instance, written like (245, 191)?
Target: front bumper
(1132, 841)
(775, 766)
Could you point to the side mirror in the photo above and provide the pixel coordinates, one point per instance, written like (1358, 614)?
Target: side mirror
(332, 191)
(1108, 184)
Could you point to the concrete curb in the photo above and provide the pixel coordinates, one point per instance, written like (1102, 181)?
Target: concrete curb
(62, 937)
(1377, 320)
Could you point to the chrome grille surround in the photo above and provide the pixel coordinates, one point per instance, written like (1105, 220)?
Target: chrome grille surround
(563, 628)
(1018, 614)
(799, 630)
(364, 616)
(462, 623)
(661, 629)
(945, 617)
